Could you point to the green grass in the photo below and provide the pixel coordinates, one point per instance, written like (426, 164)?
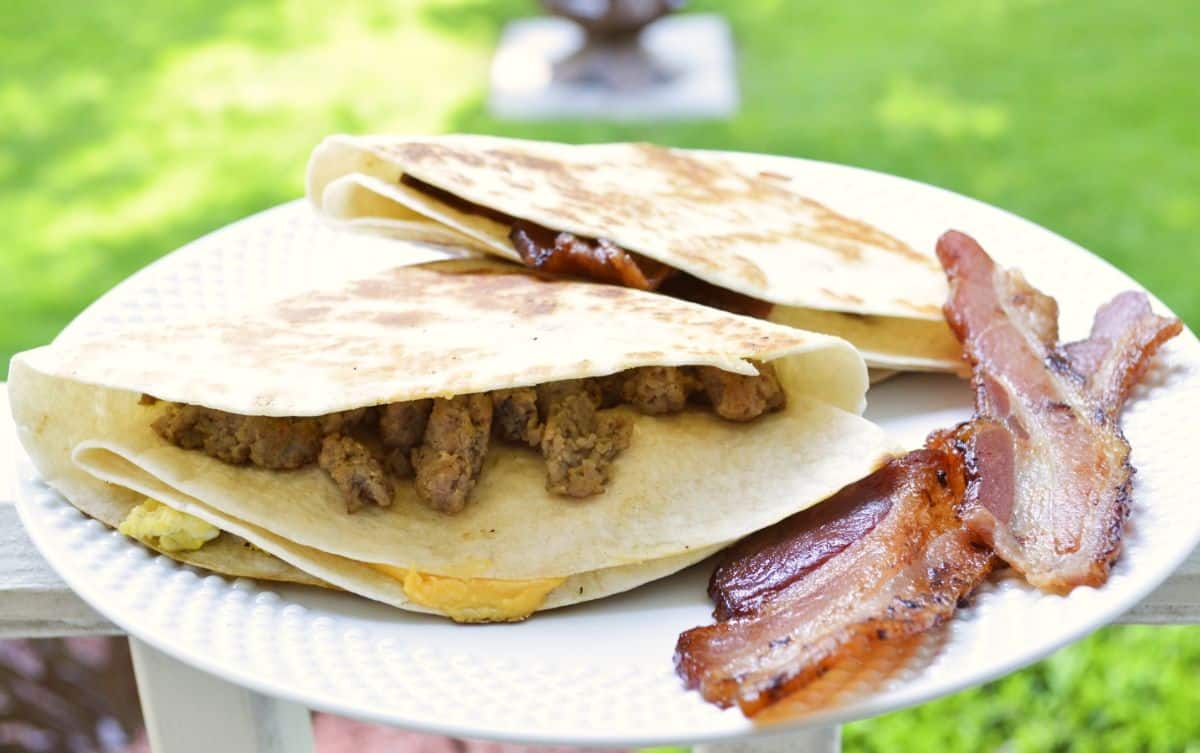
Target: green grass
(128, 127)
(1123, 689)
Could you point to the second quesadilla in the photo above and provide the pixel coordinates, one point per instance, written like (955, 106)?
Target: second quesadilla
(702, 226)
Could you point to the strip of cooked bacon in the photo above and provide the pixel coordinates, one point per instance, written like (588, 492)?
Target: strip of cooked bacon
(1042, 472)
(1048, 473)
(762, 565)
(883, 560)
(1125, 335)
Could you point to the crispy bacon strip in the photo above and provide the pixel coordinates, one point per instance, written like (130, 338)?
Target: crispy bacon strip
(1048, 473)
(1042, 472)
(886, 560)
(760, 566)
(1125, 335)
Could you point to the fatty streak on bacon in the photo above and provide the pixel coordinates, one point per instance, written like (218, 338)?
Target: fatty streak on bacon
(883, 560)
(760, 566)
(1048, 472)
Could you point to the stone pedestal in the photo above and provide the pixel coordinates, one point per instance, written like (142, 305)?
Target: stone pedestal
(681, 67)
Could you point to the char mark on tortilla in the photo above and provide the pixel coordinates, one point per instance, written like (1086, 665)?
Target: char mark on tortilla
(861, 574)
(1048, 468)
(441, 443)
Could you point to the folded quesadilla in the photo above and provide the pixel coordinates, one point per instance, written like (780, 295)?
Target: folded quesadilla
(716, 228)
(465, 437)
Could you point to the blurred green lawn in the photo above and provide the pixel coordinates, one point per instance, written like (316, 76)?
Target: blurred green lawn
(129, 127)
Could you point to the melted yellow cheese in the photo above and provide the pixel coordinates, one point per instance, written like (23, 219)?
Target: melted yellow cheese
(460, 599)
(167, 528)
(474, 599)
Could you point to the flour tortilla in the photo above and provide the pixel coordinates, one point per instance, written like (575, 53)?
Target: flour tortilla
(108, 488)
(442, 329)
(370, 212)
(710, 214)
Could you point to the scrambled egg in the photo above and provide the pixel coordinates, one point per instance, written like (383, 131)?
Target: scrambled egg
(474, 599)
(167, 528)
(460, 599)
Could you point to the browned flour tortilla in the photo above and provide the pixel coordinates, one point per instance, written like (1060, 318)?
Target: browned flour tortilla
(717, 219)
(686, 483)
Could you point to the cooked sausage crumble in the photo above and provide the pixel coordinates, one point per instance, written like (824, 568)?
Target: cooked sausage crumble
(441, 443)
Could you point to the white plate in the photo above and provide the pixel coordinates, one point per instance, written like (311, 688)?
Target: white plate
(601, 674)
